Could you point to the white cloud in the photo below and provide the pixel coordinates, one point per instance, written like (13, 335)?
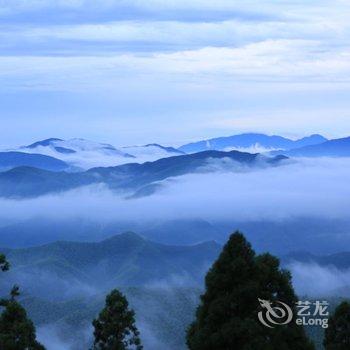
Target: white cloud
(160, 5)
(271, 60)
(307, 188)
(299, 42)
(196, 58)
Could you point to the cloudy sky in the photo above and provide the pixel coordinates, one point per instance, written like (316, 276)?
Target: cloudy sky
(172, 71)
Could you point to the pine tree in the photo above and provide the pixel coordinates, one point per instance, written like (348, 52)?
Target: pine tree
(275, 285)
(115, 327)
(227, 317)
(337, 335)
(17, 332)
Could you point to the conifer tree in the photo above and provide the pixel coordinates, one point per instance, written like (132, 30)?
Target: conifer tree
(227, 317)
(337, 335)
(17, 332)
(115, 327)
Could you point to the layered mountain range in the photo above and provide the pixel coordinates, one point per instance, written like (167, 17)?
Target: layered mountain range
(65, 262)
(55, 154)
(134, 178)
(126, 259)
(64, 284)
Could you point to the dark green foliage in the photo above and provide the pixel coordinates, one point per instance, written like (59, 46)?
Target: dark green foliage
(4, 264)
(227, 317)
(115, 326)
(337, 335)
(17, 332)
(166, 312)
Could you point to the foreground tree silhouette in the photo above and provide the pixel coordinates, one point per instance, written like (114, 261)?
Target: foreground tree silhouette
(228, 315)
(337, 335)
(115, 326)
(17, 332)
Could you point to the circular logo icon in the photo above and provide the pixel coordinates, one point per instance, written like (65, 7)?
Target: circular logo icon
(271, 316)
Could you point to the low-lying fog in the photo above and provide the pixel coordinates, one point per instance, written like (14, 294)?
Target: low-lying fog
(311, 188)
(306, 187)
(320, 281)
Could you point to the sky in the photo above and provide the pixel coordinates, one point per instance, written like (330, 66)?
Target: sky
(172, 71)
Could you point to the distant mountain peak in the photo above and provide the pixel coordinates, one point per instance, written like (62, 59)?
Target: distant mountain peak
(128, 236)
(165, 148)
(251, 142)
(79, 153)
(46, 142)
(151, 152)
(328, 148)
(317, 135)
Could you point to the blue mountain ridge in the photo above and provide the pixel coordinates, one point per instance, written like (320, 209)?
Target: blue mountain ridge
(29, 181)
(10, 160)
(249, 140)
(331, 148)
